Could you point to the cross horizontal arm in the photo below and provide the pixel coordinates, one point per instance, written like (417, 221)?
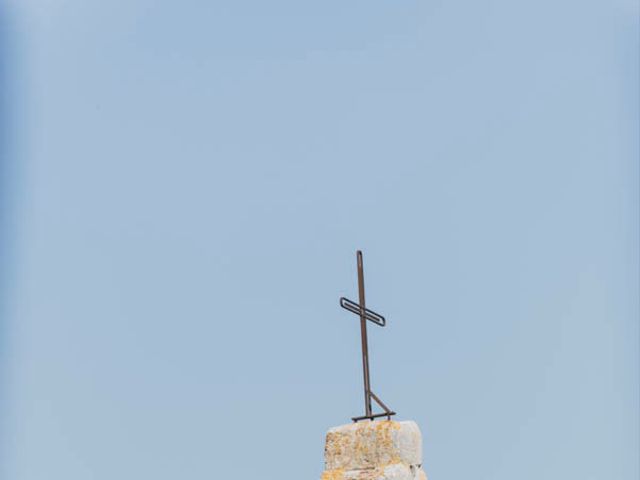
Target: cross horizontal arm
(375, 415)
(370, 315)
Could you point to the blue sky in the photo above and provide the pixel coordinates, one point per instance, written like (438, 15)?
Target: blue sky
(184, 186)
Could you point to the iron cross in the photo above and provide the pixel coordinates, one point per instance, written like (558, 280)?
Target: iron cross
(366, 314)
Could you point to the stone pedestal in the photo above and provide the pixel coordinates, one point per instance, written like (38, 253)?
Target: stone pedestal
(380, 450)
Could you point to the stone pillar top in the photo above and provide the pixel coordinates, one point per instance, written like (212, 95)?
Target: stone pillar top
(379, 450)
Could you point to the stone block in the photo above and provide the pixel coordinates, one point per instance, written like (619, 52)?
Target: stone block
(379, 450)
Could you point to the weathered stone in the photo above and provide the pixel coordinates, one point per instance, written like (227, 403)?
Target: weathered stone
(380, 450)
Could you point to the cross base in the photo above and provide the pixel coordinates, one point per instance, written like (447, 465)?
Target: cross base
(371, 417)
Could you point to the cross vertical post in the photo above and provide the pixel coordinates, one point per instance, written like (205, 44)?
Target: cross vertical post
(363, 336)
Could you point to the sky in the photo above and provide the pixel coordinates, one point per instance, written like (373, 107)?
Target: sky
(184, 185)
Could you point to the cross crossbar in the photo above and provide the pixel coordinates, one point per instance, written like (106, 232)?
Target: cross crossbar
(370, 315)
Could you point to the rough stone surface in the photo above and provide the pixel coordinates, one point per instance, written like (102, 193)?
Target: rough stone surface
(380, 450)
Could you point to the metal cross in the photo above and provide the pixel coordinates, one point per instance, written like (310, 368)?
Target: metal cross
(366, 314)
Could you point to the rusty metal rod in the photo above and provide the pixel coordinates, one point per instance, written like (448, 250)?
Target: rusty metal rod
(363, 336)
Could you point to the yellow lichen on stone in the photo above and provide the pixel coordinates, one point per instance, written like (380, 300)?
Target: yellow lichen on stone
(337, 474)
(373, 451)
(384, 440)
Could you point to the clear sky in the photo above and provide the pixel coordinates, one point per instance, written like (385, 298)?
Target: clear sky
(184, 186)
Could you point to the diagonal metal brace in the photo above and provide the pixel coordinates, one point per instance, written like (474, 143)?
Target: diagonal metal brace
(387, 412)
